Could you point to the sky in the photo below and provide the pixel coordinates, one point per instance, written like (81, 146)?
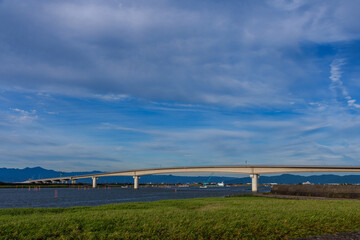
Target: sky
(120, 84)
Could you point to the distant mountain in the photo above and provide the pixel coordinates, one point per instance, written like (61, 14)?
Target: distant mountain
(294, 179)
(20, 175)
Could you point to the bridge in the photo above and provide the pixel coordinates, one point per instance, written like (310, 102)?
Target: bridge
(254, 172)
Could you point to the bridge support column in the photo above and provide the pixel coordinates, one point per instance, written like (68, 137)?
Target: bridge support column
(136, 182)
(73, 181)
(254, 182)
(94, 184)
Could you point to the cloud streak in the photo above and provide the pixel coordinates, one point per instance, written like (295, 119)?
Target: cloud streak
(337, 84)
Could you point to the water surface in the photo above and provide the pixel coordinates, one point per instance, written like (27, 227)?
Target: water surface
(69, 197)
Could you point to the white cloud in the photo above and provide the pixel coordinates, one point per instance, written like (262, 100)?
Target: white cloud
(52, 113)
(111, 97)
(23, 116)
(352, 103)
(109, 126)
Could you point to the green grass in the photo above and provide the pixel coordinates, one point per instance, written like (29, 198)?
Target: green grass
(208, 218)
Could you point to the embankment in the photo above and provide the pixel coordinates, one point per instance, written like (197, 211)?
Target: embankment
(318, 190)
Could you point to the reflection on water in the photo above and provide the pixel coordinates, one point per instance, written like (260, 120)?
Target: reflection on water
(68, 197)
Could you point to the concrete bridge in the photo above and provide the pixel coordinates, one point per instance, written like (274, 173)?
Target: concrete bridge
(254, 172)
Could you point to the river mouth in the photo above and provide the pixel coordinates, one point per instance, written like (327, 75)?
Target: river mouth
(71, 197)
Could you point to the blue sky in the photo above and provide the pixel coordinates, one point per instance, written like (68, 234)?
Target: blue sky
(116, 85)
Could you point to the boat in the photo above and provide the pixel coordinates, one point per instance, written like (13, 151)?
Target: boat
(221, 184)
(206, 185)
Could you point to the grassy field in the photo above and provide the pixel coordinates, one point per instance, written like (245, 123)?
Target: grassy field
(207, 218)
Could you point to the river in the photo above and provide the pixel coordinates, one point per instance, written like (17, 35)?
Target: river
(69, 197)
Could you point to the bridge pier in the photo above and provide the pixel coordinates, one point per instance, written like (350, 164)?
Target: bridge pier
(73, 181)
(94, 183)
(254, 182)
(136, 182)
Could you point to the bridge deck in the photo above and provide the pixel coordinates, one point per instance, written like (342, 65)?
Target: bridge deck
(241, 169)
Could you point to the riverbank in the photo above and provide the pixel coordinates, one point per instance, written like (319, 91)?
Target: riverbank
(296, 197)
(204, 218)
(318, 190)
